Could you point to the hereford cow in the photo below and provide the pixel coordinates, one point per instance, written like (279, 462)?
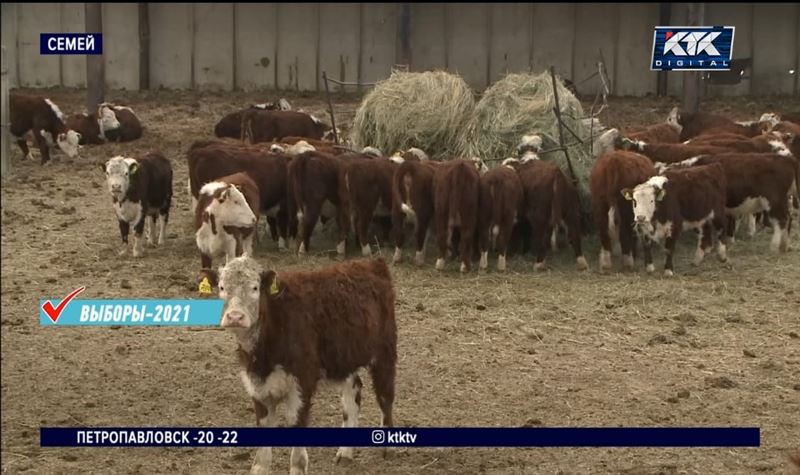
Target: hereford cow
(755, 183)
(655, 133)
(211, 160)
(226, 218)
(670, 152)
(265, 126)
(681, 199)
(92, 127)
(612, 214)
(45, 121)
(412, 191)
(140, 187)
(693, 124)
(296, 329)
(455, 200)
(500, 203)
(550, 201)
(365, 188)
(130, 127)
(231, 125)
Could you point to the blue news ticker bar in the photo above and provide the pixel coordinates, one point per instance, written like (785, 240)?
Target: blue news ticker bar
(143, 312)
(401, 437)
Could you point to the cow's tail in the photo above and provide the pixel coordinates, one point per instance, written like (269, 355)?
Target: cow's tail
(403, 181)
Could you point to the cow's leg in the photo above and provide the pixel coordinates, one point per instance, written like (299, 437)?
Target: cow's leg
(443, 235)
(780, 235)
(465, 249)
(398, 234)
(307, 223)
(351, 406)
(23, 145)
(138, 231)
(669, 246)
(363, 218)
(730, 228)
(751, 225)
(704, 237)
(420, 234)
(483, 243)
(718, 226)
(272, 227)
(647, 248)
(285, 229)
(543, 235)
(601, 220)
(163, 219)
(44, 148)
(266, 416)
(627, 237)
(124, 230)
(383, 373)
(503, 243)
(247, 243)
(343, 221)
(297, 412)
(152, 234)
(574, 235)
(205, 261)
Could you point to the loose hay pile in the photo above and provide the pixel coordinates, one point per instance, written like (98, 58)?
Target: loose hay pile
(429, 110)
(520, 104)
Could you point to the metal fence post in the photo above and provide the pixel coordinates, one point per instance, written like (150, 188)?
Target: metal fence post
(5, 120)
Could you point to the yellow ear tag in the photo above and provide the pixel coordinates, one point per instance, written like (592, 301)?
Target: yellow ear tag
(273, 289)
(205, 286)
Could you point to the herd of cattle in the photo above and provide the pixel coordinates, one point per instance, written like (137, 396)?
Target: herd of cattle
(695, 171)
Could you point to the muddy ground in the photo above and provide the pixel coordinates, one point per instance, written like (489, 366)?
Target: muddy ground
(713, 346)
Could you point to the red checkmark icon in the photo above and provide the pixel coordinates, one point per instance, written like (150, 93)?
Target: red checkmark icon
(54, 313)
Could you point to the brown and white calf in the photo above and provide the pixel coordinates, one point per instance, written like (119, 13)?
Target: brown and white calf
(670, 152)
(694, 124)
(265, 125)
(550, 201)
(130, 127)
(756, 183)
(613, 217)
(231, 124)
(679, 200)
(226, 218)
(455, 200)
(297, 329)
(412, 191)
(655, 133)
(366, 192)
(93, 127)
(500, 203)
(211, 160)
(140, 187)
(45, 121)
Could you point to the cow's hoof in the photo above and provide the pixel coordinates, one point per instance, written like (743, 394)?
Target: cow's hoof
(582, 264)
(539, 266)
(259, 470)
(668, 273)
(464, 268)
(344, 456)
(440, 264)
(650, 268)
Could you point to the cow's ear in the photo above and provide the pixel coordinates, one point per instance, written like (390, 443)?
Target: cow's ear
(133, 168)
(626, 192)
(207, 281)
(271, 283)
(661, 194)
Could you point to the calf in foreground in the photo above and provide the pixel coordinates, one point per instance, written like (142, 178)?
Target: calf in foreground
(140, 187)
(678, 200)
(296, 329)
(45, 121)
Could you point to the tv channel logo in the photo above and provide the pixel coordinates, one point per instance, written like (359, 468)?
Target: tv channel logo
(692, 48)
(70, 43)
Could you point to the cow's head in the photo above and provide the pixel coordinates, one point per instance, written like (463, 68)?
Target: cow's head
(644, 198)
(106, 118)
(674, 119)
(300, 147)
(606, 142)
(479, 165)
(511, 162)
(372, 151)
(69, 142)
(244, 287)
(120, 172)
(531, 142)
(277, 148)
(228, 205)
(767, 121)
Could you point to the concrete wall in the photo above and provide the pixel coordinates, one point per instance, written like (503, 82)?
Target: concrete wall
(250, 46)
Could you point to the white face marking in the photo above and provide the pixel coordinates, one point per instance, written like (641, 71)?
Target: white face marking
(531, 141)
(106, 119)
(672, 120)
(644, 200)
(55, 109)
(284, 105)
(780, 148)
(118, 176)
(396, 159)
(528, 156)
(68, 143)
(233, 209)
(211, 187)
(239, 287)
(275, 148)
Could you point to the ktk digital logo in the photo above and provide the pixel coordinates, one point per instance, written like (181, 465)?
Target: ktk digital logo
(692, 48)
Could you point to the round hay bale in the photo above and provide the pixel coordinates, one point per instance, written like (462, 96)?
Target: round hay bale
(522, 104)
(429, 110)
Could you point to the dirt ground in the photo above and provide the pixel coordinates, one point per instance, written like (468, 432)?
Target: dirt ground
(713, 346)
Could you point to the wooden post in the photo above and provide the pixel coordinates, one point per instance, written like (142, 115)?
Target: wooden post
(330, 107)
(665, 12)
(691, 79)
(5, 119)
(144, 47)
(95, 65)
